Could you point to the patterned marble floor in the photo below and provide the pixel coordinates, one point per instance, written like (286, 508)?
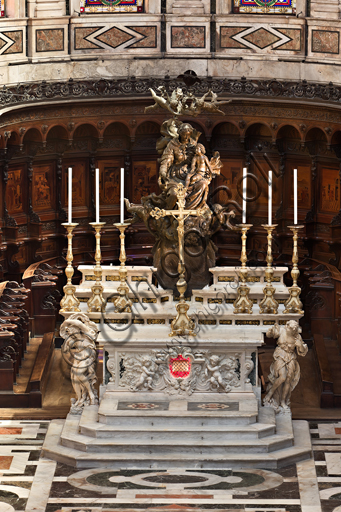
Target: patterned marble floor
(33, 484)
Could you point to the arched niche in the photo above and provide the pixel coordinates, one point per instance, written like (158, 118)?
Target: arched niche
(57, 139)
(258, 137)
(32, 135)
(316, 134)
(146, 135)
(57, 132)
(116, 136)
(32, 141)
(85, 138)
(288, 139)
(13, 140)
(225, 137)
(336, 143)
(316, 141)
(85, 131)
(116, 129)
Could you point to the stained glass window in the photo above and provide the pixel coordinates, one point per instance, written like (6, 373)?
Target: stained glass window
(265, 6)
(107, 6)
(2, 8)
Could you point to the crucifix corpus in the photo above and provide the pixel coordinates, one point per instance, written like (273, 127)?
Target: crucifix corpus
(182, 324)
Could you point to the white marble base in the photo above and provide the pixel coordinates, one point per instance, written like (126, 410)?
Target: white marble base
(207, 439)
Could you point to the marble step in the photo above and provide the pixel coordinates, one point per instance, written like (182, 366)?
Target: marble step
(219, 447)
(192, 434)
(159, 420)
(89, 426)
(53, 449)
(71, 437)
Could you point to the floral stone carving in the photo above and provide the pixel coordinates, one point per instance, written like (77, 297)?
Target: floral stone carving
(180, 370)
(79, 351)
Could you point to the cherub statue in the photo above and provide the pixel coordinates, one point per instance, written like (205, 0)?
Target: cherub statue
(174, 103)
(79, 351)
(213, 372)
(146, 377)
(284, 370)
(200, 167)
(180, 104)
(199, 105)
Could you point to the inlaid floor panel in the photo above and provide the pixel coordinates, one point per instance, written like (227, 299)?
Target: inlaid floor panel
(30, 483)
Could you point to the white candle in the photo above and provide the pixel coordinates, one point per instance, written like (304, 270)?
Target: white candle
(122, 196)
(244, 194)
(295, 196)
(270, 200)
(70, 195)
(97, 195)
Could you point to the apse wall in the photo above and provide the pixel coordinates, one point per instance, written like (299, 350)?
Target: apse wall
(169, 37)
(73, 93)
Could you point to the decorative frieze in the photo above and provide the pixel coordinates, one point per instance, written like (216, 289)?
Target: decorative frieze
(112, 37)
(181, 370)
(259, 37)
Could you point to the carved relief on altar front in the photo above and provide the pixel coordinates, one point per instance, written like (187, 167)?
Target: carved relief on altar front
(180, 370)
(41, 195)
(14, 194)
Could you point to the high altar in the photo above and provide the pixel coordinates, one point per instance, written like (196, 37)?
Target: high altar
(180, 340)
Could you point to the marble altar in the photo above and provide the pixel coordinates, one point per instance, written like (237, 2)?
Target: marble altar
(179, 401)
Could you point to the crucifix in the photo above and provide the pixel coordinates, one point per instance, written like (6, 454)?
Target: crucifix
(182, 325)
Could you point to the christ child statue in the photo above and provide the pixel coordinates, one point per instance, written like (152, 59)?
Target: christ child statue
(200, 167)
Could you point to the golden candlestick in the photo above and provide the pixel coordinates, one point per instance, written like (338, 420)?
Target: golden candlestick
(182, 325)
(269, 304)
(122, 303)
(243, 304)
(96, 303)
(69, 303)
(294, 304)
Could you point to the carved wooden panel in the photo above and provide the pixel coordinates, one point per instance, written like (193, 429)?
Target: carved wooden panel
(303, 187)
(109, 182)
(230, 174)
(14, 193)
(41, 189)
(145, 176)
(330, 190)
(79, 180)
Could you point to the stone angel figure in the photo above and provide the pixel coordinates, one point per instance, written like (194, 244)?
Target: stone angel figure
(148, 370)
(284, 370)
(79, 351)
(221, 372)
(179, 103)
(199, 105)
(175, 103)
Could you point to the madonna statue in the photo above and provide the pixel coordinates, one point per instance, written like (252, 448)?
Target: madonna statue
(183, 160)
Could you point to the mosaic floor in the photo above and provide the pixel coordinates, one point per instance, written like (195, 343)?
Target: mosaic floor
(33, 484)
